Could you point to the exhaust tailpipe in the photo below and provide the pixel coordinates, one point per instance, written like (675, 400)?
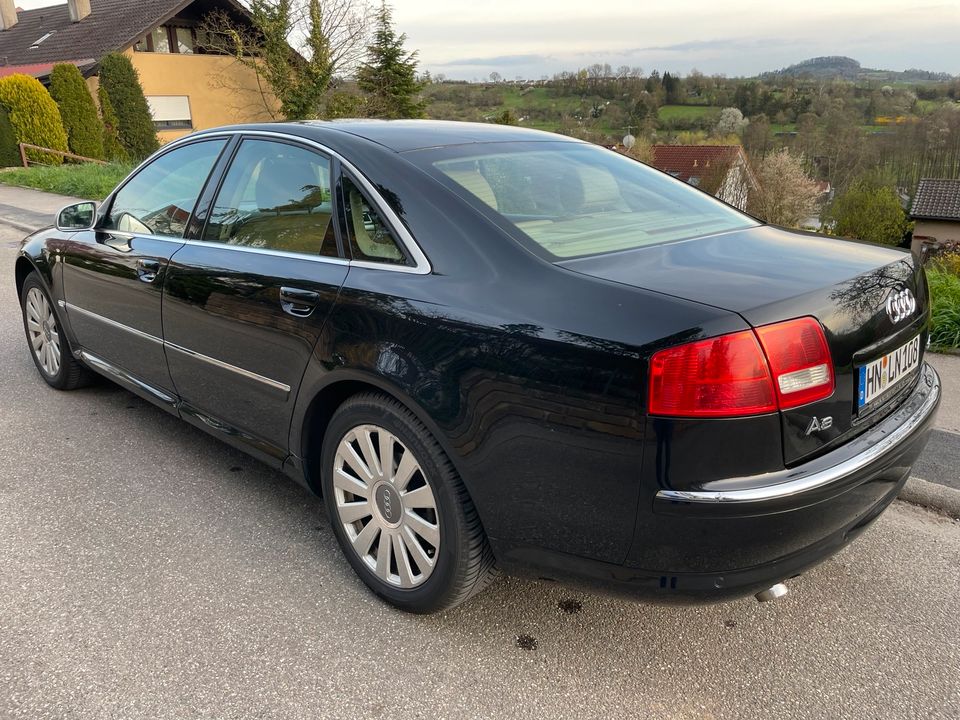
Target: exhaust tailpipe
(772, 593)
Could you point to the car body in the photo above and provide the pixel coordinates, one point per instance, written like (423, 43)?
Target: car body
(526, 355)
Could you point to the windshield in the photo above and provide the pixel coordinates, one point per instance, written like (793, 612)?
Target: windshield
(573, 200)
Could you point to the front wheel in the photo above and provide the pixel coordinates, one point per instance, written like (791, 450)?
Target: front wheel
(399, 509)
(49, 346)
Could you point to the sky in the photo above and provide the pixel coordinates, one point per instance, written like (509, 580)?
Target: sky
(469, 39)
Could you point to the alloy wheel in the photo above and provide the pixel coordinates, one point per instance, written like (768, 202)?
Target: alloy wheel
(386, 506)
(43, 332)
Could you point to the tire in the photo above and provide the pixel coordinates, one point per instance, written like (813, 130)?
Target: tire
(48, 344)
(409, 529)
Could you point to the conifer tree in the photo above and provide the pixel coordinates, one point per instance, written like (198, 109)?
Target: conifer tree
(389, 74)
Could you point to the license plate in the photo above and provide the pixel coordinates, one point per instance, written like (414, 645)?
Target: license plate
(886, 373)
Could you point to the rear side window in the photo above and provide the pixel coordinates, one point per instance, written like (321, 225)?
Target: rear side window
(275, 196)
(370, 238)
(159, 199)
(571, 200)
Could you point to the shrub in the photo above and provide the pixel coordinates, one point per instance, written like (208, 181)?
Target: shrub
(945, 313)
(120, 83)
(79, 112)
(869, 212)
(112, 147)
(9, 152)
(34, 116)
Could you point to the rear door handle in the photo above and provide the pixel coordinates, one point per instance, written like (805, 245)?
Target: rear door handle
(297, 302)
(147, 270)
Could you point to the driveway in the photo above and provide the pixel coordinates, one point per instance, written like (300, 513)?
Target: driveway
(151, 572)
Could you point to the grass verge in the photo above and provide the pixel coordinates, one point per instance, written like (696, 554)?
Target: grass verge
(945, 314)
(89, 181)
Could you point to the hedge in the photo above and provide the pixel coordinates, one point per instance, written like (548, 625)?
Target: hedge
(34, 116)
(112, 147)
(79, 112)
(120, 83)
(9, 152)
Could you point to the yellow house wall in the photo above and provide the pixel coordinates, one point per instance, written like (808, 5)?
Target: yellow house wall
(221, 90)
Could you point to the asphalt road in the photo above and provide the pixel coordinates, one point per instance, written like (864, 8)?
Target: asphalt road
(148, 571)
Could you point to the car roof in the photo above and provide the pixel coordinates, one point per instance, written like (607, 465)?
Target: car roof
(406, 135)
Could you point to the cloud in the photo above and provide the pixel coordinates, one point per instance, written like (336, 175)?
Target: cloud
(497, 61)
(719, 44)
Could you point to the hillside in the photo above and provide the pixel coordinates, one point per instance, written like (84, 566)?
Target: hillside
(838, 66)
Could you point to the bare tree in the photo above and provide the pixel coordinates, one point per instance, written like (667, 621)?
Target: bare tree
(330, 37)
(786, 195)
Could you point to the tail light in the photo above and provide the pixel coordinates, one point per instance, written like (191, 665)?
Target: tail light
(750, 372)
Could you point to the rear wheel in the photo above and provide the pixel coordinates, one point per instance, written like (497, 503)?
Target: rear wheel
(400, 511)
(49, 347)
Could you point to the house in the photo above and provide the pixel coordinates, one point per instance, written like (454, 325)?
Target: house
(721, 170)
(936, 214)
(187, 87)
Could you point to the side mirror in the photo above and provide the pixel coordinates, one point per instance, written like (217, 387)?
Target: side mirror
(81, 216)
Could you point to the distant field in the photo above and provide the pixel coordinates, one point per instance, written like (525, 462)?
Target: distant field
(686, 112)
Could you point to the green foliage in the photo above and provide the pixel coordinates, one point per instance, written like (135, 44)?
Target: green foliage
(869, 212)
(120, 83)
(945, 313)
(342, 103)
(389, 75)
(79, 112)
(332, 33)
(949, 261)
(34, 116)
(298, 84)
(112, 147)
(89, 180)
(9, 152)
(505, 118)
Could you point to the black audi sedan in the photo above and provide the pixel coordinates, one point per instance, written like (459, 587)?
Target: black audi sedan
(494, 348)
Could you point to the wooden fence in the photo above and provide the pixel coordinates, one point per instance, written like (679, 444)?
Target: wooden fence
(70, 156)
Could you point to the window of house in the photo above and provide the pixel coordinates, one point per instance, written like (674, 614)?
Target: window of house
(161, 40)
(370, 238)
(184, 40)
(170, 112)
(275, 196)
(167, 39)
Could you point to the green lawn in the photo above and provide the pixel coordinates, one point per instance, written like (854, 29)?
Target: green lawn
(686, 112)
(90, 181)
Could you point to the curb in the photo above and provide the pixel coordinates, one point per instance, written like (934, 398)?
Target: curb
(23, 227)
(939, 498)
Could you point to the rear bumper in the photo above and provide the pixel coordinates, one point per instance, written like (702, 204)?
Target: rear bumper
(825, 477)
(751, 533)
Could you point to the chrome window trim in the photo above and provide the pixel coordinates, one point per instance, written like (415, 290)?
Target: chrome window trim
(275, 384)
(905, 426)
(421, 264)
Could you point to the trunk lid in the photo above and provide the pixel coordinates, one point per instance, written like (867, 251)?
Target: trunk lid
(767, 275)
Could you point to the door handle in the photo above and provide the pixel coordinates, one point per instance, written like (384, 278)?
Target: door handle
(147, 270)
(297, 302)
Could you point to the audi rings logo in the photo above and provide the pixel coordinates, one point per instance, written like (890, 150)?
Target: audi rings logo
(900, 305)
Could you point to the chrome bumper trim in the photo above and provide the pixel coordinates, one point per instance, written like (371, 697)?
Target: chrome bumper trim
(825, 477)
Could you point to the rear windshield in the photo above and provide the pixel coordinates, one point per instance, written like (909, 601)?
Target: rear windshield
(570, 200)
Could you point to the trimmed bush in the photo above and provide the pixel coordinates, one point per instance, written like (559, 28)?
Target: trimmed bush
(112, 147)
(34, 116)
(120, 82)
(9, 152)
(79, 112)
